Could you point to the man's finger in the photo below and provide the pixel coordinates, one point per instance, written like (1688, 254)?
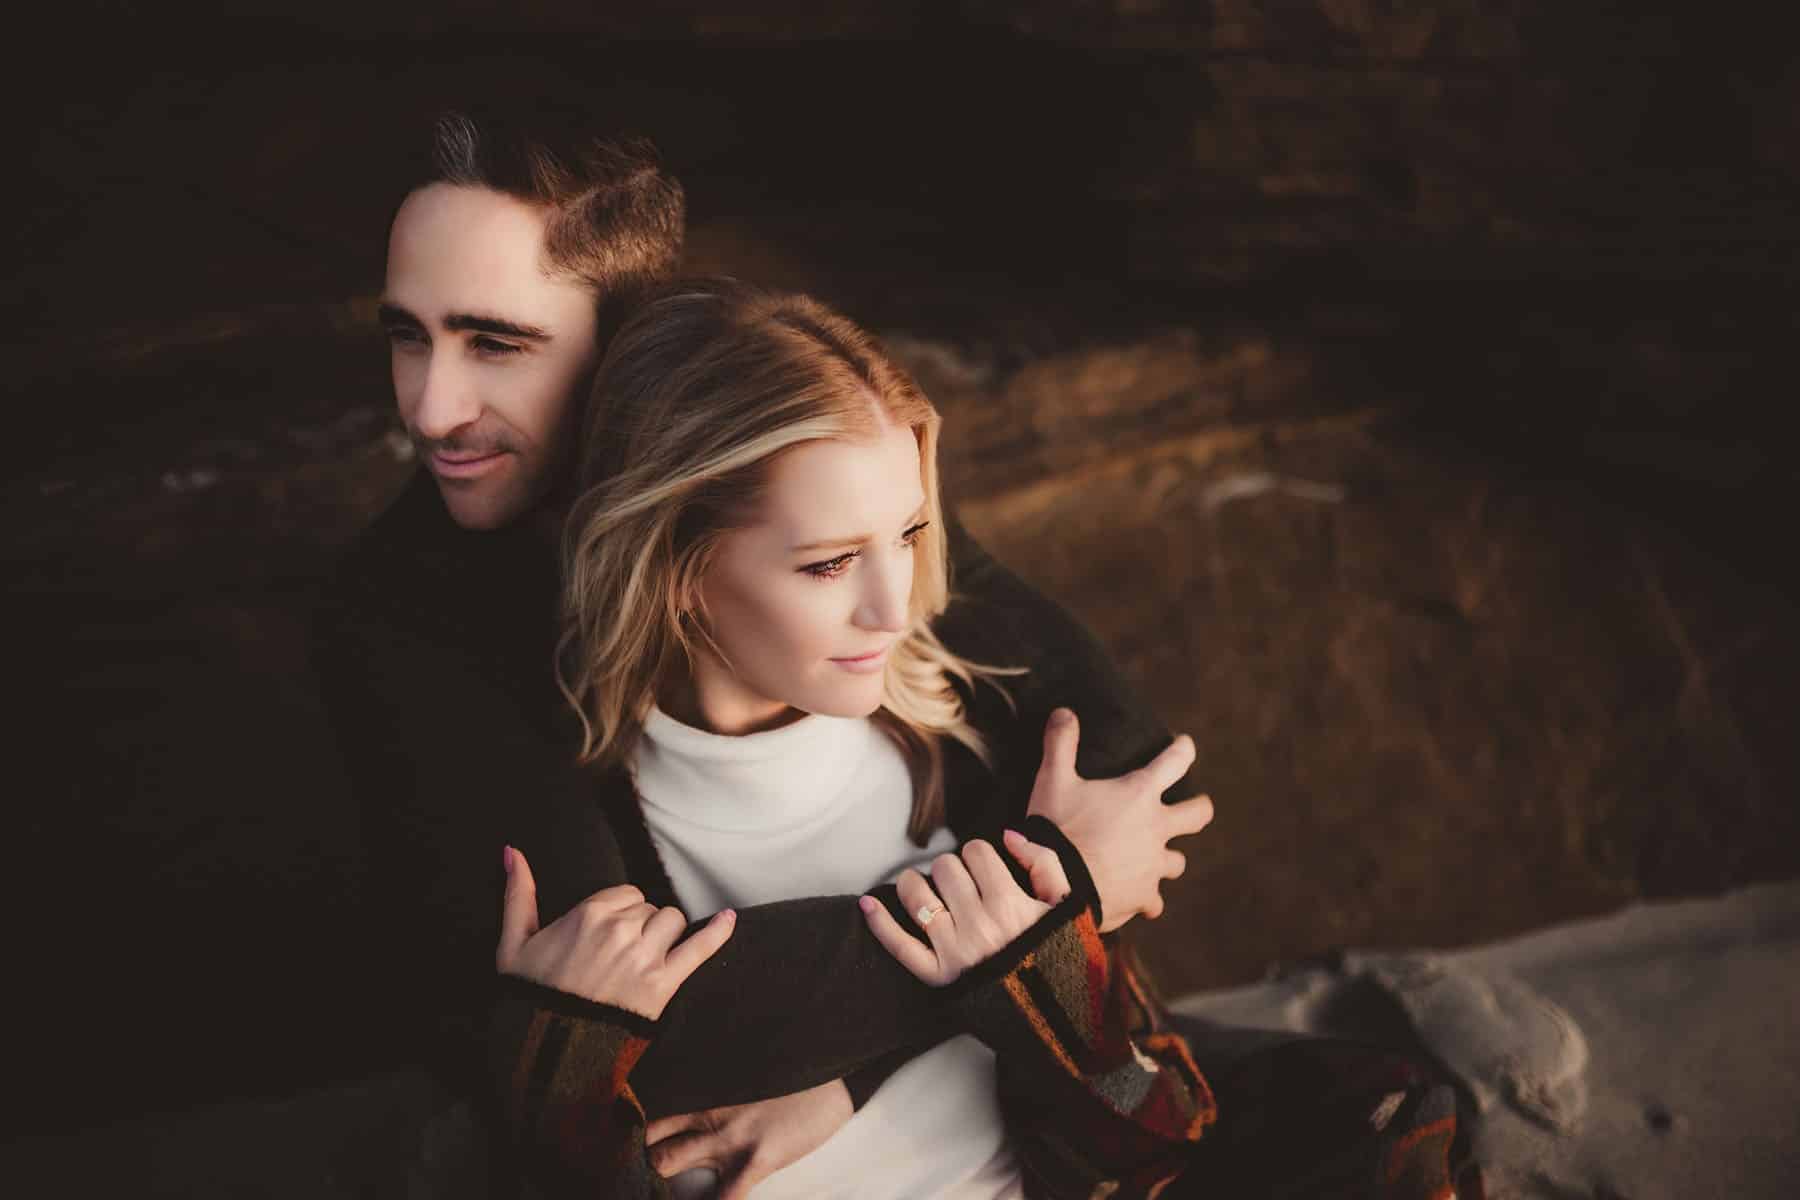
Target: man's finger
(686, 958)
(684, 1152)
(1174, 863)
(518, 908)
(1062, 737)
(739, 1185)
(907, 950)
(1167, 768)
(1190, 816)
(668, 1127)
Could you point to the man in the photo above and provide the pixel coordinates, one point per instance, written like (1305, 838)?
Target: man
(507, 273)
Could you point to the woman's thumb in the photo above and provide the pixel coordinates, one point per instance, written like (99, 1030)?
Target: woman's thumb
(518, 908)
(1049, 882)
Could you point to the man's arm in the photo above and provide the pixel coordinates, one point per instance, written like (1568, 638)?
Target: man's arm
(449, 769)
(998, 619)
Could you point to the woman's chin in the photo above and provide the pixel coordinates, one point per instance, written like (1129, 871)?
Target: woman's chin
(852, 703)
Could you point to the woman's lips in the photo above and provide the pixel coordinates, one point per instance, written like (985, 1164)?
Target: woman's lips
(465, 466)
(865, 663)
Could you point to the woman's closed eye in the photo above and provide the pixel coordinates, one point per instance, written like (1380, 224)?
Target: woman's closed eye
(831, 568)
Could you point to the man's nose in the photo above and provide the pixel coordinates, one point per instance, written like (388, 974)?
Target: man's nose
(887, 593)
(448, 400)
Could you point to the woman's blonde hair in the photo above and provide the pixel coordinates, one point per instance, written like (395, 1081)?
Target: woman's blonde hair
(699, 392)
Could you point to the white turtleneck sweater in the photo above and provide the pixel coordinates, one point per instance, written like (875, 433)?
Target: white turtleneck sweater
(819, 808)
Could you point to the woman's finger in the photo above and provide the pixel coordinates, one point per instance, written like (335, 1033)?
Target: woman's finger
(917, 896)
(1049, 882)
(663, 928)
(686, 958)
(518, 908)
(989, 870)
(951, 880)
(1174, 863)
(907, 950)
(614, 899)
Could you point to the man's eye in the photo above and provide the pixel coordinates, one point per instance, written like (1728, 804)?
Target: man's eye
(400, 335)
(494, 348)
(830, 567)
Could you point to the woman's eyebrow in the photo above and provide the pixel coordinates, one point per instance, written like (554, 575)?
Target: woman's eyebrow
(856, 539)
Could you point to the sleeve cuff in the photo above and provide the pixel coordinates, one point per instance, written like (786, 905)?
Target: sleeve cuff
(1045, 832)
(532, 995)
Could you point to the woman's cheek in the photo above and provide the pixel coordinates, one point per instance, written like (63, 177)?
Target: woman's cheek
(810, 634)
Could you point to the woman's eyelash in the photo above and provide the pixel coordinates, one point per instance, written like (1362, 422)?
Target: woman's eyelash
(833, 567)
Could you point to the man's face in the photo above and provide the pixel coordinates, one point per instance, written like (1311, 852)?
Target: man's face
(491, 355)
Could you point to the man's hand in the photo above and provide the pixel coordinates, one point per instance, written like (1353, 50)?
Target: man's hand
(1121, 826)
(747, 1143)
(612, 948)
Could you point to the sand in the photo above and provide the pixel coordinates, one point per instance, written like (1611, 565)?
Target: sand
(1648, 1054)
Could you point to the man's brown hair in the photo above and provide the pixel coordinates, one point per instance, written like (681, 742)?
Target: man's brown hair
(616, 216)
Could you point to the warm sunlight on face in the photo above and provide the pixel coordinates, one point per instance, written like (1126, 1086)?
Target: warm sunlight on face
(807, 601)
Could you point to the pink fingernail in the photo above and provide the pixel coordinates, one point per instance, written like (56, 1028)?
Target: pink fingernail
(867, 904)
(1013, 835)
(727, 914)
(506, 859)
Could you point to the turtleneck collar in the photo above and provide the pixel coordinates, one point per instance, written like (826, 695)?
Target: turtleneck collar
(755, 783)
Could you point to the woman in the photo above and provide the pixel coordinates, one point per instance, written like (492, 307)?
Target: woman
(753, 570)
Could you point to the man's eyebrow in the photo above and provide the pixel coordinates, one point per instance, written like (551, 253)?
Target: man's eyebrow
(477, 323)
(392, 314)
(859, 539)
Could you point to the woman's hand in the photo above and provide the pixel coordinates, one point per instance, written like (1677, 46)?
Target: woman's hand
(612, 948)
(970, 909)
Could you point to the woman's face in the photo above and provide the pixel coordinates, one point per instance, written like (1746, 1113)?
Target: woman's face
(807, 601)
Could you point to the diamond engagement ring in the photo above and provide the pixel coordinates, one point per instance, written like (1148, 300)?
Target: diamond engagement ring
(927, 912)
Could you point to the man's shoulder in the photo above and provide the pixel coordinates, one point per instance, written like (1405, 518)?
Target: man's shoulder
(387, 564)
(413, 572)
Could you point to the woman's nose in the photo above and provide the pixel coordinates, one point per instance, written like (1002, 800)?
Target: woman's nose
(887, 592)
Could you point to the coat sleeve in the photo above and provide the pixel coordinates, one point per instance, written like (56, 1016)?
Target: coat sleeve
(998, 619)
(1099, 1096)
(448, 767)
(563, 1068)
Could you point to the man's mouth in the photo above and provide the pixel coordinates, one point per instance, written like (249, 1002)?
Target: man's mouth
(463, 465)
